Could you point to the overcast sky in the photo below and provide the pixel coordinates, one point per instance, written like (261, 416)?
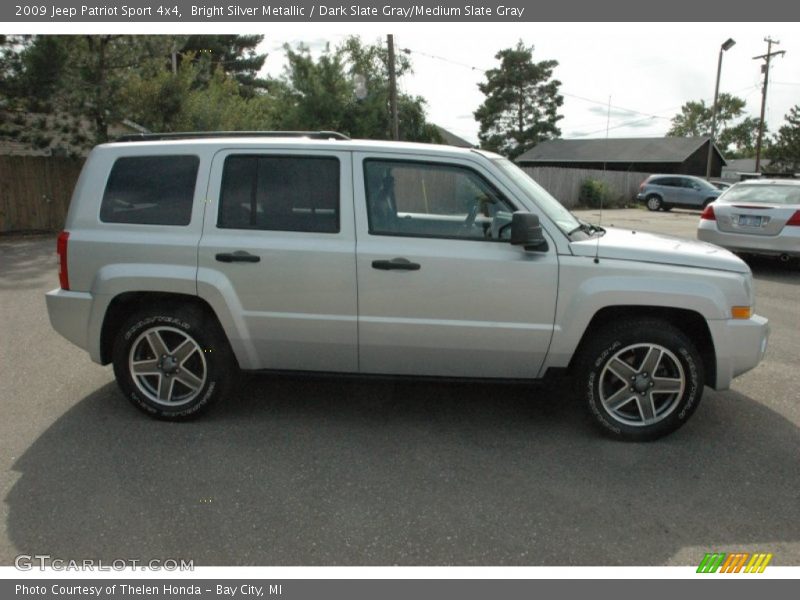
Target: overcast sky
(648, 70)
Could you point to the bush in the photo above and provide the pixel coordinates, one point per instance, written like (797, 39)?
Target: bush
(595, 192)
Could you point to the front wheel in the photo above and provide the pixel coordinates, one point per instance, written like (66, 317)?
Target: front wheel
(172, 362)
(641, 380)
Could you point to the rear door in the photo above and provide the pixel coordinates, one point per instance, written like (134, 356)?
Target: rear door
(667, 188)
(278, 249)
(441, 290)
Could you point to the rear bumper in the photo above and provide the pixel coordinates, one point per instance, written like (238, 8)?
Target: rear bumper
(740, 345)
(70, 314)
(788, 242)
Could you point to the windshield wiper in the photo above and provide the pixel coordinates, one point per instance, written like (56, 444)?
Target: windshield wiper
(587, 228)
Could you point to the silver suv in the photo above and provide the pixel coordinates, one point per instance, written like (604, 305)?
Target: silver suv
(663, 192)
(186, 257)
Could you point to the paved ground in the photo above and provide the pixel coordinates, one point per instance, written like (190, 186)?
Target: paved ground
(305, 472)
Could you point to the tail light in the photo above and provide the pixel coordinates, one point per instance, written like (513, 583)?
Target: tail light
(641, 185)
(795, 220)
(708, 214)
(61, 250)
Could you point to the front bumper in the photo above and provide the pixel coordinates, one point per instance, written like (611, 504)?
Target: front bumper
(740, 345)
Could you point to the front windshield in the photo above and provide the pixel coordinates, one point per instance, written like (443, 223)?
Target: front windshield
(565, 220)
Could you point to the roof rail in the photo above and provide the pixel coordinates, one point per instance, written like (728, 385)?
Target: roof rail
(188, 135)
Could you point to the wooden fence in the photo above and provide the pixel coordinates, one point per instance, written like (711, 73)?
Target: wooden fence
(35, 192)
(565, 184)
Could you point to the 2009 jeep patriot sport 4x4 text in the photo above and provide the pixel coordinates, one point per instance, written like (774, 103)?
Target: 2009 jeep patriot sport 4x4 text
(185, 257)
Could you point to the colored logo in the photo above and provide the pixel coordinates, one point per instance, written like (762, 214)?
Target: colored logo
(734, 562)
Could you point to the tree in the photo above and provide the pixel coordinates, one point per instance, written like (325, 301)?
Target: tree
(64, 91)
(784, 151)
(522, 101)
(165, 101)
(235, 54)
(346, 89)
(736, 134)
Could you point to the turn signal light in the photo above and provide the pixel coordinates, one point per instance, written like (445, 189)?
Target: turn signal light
(741, 312)
(708, 214)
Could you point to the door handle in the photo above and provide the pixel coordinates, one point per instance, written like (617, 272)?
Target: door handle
(238, 256)
(396, 264)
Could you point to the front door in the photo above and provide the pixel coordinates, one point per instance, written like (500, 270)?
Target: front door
(441, 291)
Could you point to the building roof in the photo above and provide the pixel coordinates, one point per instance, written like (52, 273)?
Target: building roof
(451, 139)
(633, 150)
(745, 165)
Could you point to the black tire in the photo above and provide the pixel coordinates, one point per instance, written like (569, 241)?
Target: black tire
(616, 351)
(209, 367)
(653, 202)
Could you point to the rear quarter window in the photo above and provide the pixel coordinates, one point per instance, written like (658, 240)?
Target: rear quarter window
(150, 190)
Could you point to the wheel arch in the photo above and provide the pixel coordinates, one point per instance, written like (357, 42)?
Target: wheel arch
(126, 303)
(689, 322)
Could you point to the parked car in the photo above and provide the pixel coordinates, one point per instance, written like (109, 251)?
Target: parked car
(185, 258)
(721, 185)
(759, 216)
(663, 192)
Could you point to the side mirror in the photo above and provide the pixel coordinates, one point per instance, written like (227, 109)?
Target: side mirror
(526, 231)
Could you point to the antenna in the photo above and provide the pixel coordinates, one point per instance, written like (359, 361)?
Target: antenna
(605, 154)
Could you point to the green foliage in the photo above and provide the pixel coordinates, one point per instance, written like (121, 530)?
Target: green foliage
(167, 102)
(70, 90)
(321, 93)
(522, 101)
(235, 54)
(784, 150)
(736, 134)
(596, 193)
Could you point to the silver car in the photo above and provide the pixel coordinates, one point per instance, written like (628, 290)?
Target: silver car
(755, 217)
(663, 192)
(186, 257)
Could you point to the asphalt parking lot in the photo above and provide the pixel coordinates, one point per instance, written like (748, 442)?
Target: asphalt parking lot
(331, 472)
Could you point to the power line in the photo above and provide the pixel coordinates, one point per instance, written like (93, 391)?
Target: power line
(602, 103)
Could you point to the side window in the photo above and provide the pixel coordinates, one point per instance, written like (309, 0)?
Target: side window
(150, 190)
(433, 200)
(280, 193)
(665, 181)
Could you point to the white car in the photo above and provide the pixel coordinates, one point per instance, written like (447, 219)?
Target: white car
(760, 216)
(188, 256)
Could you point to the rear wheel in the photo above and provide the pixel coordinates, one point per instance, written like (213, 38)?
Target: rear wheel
(641, 380)
(172, 362)
(653, 202)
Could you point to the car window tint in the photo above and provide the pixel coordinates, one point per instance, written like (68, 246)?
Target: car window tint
(280, 193)
(150, 190)
(433, 200)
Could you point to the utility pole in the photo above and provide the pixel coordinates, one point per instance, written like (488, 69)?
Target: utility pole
(765, 69)
(393, 89)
